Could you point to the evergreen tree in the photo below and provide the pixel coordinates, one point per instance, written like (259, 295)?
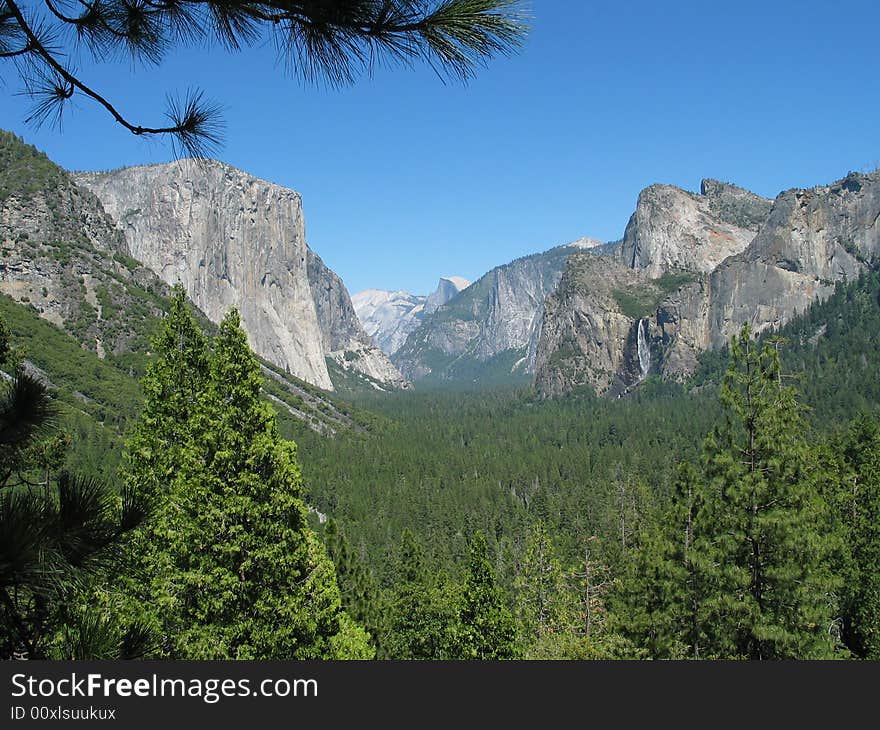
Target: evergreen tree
(763, 529)
(421, 607)
(485, 629)
(857, 503)
(173, 384)
(542, 596)
(357, 587)
(331, 40)
(238, 573)
(658, 602)
(58, 538)
(5, 341)
(739, 566)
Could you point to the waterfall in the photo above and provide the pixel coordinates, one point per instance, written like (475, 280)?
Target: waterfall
(644, 351)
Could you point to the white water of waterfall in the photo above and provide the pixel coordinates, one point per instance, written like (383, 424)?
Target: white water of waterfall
(644, 351)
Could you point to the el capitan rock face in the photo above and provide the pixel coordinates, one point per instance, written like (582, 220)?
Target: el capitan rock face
(234, 240)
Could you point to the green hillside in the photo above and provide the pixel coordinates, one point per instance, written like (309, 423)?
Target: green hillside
(101, 398)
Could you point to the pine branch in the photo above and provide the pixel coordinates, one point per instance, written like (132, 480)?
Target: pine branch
(194, 128)
(330, 40)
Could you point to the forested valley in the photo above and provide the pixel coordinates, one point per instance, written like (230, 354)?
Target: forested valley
(733, 516)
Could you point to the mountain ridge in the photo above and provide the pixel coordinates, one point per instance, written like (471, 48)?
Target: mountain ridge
(389, 316)
(688, 301)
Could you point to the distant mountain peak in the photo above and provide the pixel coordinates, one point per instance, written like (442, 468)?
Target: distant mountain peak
(458, 281)
(585, 243)
(388, 316)
(447, 288)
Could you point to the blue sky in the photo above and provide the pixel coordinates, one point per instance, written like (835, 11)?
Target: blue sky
(405, 179)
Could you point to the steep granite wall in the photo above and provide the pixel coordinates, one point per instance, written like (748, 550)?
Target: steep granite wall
(497, 316)
(808, 241)
(232, 240)
(672, 229)
(62, 255)
(342, 336)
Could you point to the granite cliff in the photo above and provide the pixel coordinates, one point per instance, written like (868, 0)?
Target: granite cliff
(388, 317)
(234, 240)
(699, 267)
(490, 329)
(61, 255)
(674, 229)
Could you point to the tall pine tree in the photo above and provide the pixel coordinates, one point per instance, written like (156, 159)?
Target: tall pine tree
(658, 601)
(485, 628)
(545, 605)
(762, 534)
(420, 608)
(237, 572)
(857, 506)
(173, 384)
(740, 566)
(357, 586)
(60, 537)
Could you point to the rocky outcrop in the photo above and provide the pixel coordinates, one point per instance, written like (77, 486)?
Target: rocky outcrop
(62, 255)
(674, 230)
(808, 241)
(342, 336)
(590, 331)
(388, 317)
(234, 240)
(811, 240)
(447, 288)
(338, 324)
(370, 366)
(490, 325)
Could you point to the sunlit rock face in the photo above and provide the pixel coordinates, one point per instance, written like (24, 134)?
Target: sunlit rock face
(704, 266)
(233, 240)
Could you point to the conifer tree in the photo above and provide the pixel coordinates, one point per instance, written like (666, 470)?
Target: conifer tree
(593, 635)
(173, 384)
(59, 536)
(333, 41)
(543, 599)
(658, 602)
(421, 607)
(764, 527)
(739, 566)
(237, 571)
(485, 628)
(857, 503)
(357, 587)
